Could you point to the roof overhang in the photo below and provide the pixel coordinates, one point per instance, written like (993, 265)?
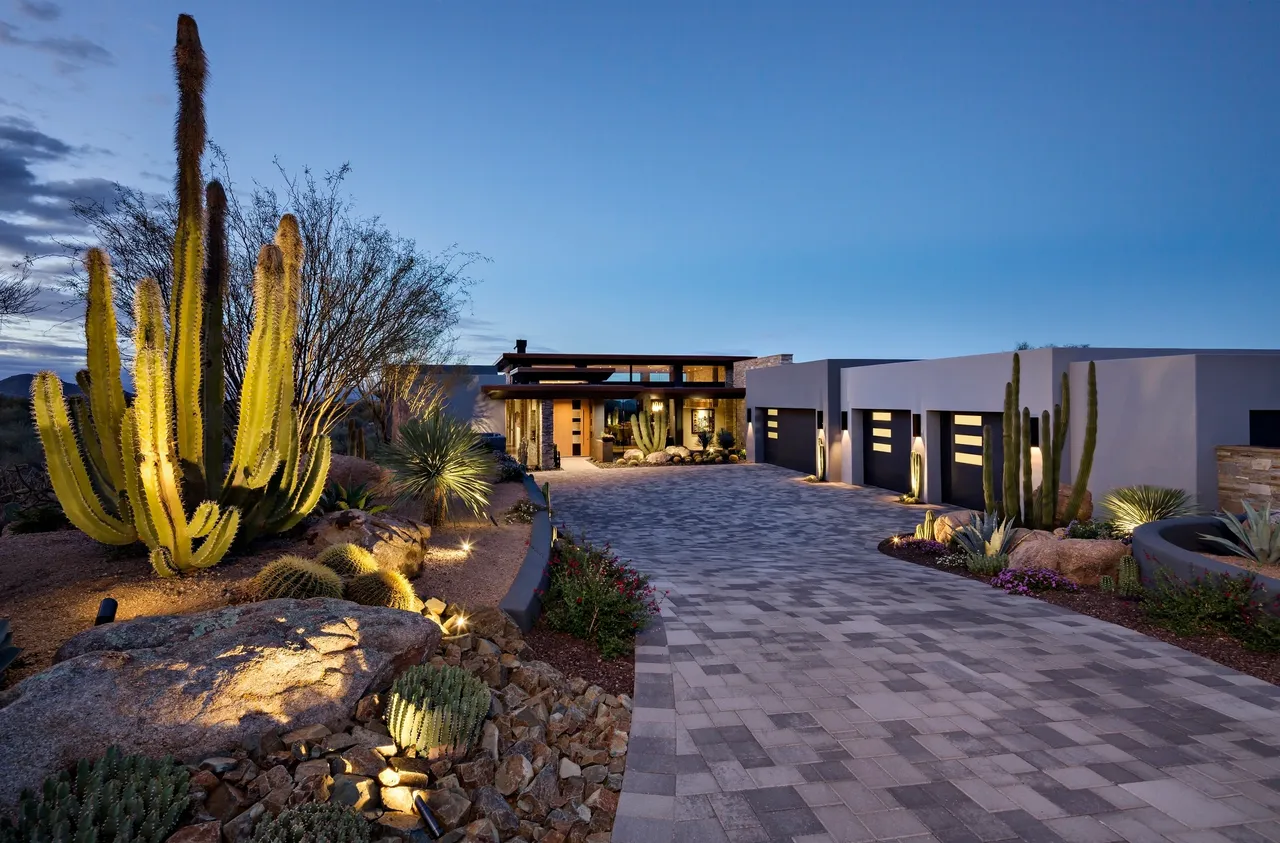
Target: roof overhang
(512, 360)
(604, 391)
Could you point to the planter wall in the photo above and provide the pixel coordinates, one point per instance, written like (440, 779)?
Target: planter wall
(522, 602)
(1175, 546)
(1248, 474)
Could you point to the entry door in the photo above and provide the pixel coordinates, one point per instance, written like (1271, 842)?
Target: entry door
(886, 449)
(791, 439)
(962, 479)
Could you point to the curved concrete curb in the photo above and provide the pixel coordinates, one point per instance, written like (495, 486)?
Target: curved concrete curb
(522, 602)
(1175, 546)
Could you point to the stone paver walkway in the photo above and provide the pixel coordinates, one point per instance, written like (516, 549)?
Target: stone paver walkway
(802, 686)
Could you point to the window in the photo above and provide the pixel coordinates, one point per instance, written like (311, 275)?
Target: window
(1264, 428)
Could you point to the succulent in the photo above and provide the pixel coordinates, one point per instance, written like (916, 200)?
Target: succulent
(116, 799)
(1129, 582)
(725, 439)
(439, 460)
(316, 822)
(439, 711)
(347, 560)
(987, 565)
(1257, 539)
(917, 476)
(650, 431)
(338, 497)
(383, 588)
(926, 530)
(1133, 506)
(734, 458)
(985, 535)
(293, 576)
(1107, 584)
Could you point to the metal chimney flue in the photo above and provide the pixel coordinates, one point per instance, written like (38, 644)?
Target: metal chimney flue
(521, 346)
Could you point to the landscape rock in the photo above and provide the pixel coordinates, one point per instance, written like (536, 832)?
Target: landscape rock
(210, 832)
(678, 451)
(397, 799)
(352, 472)
(1083, 561)
(946, 525)
(513, 774)
(658, 458)
(449, 805)
(1064, 496)
(398, 824)
(359, 792)
(633, 454)
(398, 544)
(489, 803)
(194, 685)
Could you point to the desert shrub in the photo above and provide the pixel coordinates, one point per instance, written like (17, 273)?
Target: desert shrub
(1215, 605)
(521, 512)
(1257, 540)
(42, 518)
(704, 437)
(510, 469)
(347, 560)
(316, 822)
(383, 588)
(1091, 530)
(987, 565)
(596, 597)
(295, 577)
(725, 439)
(440, 460)
(337, 497)
(1133, 506)
(438, 711)
(1032, 581)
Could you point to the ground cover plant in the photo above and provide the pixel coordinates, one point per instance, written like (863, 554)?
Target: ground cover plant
(1234, 606)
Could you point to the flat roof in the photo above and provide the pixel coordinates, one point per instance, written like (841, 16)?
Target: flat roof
(608, 390)
(512, 358)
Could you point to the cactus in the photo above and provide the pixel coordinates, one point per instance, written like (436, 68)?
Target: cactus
(315, 821)
(988, 471)
(1046, 506)
(1012, 442)
(217, 276)
(1080, 482)
(116, 799)
(927, 529)
(355, 439)
(383, 588)
(1028, 492)
(1107, 584)
(1129, 583)
(649, 431)
(348, 560)
(297, 578)
(917, 475)
(439, 711)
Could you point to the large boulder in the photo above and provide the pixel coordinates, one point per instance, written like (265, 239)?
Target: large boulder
(198, 685)
(353, 471)
(658, 458)
(633, 454)
(945, 526)
(1064, 496)
(399, 544)
(1083, 561)
(678, 451)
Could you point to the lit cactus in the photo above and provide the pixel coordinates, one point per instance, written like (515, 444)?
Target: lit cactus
(988, 471)
(348, 560)
(314, 821)
(439, 711)
(1080, 483)
(649, 431)
(928, 529)
(1129, 583)
(384, 588)
(917, 475)
(296, 578)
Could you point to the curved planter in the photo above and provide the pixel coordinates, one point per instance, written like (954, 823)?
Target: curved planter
(1175, 546)
(522, 602)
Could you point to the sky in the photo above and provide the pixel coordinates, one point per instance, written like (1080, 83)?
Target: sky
(844, 179)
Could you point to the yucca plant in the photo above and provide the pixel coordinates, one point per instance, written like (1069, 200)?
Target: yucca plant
(1133, 506)
(986, 536)
(440, 460)
(439, 711)
(1256, 539)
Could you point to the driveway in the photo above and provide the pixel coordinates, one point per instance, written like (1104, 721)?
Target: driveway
(802, 686)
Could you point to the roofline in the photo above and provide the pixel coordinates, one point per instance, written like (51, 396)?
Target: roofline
(511, 358)
(607, 390)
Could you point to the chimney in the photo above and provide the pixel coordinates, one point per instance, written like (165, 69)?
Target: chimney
(521, 346)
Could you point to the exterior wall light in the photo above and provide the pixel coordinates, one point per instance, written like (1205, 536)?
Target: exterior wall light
(657, 406)
(915, 425)
(819, 420)
(1035, 432)
(844, 420)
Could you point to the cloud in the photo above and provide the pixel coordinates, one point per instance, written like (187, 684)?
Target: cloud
(72, 53)
(40, 9)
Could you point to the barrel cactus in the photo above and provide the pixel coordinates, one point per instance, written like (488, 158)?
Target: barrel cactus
(293, 576)
(439, 711)
(383, 588)
(116, 799)
(348, 560)
(314, 822)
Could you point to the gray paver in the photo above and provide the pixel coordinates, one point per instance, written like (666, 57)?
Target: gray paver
(812, 689)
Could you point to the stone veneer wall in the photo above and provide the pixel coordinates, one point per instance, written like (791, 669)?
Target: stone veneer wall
(738, 378)
(547, 440)
(1246, 473)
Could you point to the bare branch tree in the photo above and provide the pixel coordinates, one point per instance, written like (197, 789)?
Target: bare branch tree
(17, 295)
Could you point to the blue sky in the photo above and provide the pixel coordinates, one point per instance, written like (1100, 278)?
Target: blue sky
(845, 179)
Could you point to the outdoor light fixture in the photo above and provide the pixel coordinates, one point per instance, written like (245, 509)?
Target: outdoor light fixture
(466, 546)
(1035, 432)
(844, 419)
(106, 611)
(656, 406)
(915, 425)
(819, 420)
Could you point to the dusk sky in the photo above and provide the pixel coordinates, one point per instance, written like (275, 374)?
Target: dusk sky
(842, 179)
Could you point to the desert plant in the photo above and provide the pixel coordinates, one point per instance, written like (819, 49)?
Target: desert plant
(725, 439)
(1129, 579)
(355, 438)
(440, 460)
(521, 512)
(1257, 539)
(1133, 506)
(1215, 605)
(985, 535)
(510, 470)
(926, 530)
(1107, 584)
(650, 431)
(987, 565)
(298, 578)
(8, 652)
(1027, 581)
(337, 497)
(154, 468)
(315, 822)
(989, 503)
(438, 711)
(348, 560)
(42, 518)
(704, 437)
(1090, 530)
(383, 588)
(116, 799)
(917, 479)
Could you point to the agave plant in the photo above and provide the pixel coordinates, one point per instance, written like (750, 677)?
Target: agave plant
(440, 460)
(986, 536)
(1256, 539)
(1133, 506)
(338, 497)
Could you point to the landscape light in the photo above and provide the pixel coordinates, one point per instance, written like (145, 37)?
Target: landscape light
(466, 545)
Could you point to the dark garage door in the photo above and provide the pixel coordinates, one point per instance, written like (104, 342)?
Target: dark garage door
(791, 439)
(886, 449)
(962, 443)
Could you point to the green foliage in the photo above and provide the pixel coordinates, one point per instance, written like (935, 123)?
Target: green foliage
(18, 442)
(1092, 530)
(116, 799)
(917, 475)
(439, 711)
(521, 512)
(384, 588)
(42, 518)
(985, 535)
(987, 565)
(1129, 581)
(510, 470)
(649, 431)
(315, 822)
(989, 503)
(1107, 584)
(596, 597)
(337, 498)
(348, 560)
(440, 460)
(1133, 506)
(725, 439)
(704, 437)
(1012, 444)
(926, 530)
(1257, 539)
(1080, 483)
(298, 578)
(1215, 605)
(355, 439)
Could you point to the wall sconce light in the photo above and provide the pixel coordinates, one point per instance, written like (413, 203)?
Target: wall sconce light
(656, 406)
(748, 414)
(1035, 432)
(915, 425)
(819, 420)
(844, 420)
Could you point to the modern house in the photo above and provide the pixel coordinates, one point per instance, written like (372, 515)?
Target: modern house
(1161, 415)
(562, 403)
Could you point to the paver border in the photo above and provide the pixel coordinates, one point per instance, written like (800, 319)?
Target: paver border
(522, 601)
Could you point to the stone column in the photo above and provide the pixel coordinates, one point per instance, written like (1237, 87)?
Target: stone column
(737, 376)
(547, 441)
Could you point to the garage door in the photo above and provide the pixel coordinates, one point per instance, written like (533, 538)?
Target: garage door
(962, 438)
(886, 449)
(791, 439)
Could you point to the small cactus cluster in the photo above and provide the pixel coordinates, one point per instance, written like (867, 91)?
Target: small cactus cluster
(439, 711)
(1129, 583)
(926, 530)
(348, 560)
(316, 821)
(116, 799)
(383, 588)
(1107, 584)
(298, 578)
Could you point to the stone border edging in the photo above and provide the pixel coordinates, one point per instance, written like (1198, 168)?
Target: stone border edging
(1164, 544)
(522, 602)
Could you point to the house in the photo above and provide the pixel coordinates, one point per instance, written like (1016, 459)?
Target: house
(1161, 415)
(562, 403)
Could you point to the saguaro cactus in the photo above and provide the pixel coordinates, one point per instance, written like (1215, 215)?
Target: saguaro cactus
(649, 431)
(1028, 509)
(1080, 482)
(988, 470)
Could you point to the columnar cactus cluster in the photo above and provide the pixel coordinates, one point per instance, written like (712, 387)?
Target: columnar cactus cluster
(439, 711)
(649, 431)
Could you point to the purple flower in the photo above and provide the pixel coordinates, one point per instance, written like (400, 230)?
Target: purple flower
(1028, 581)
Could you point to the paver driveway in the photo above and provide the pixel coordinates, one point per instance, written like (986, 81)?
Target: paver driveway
(803, 686)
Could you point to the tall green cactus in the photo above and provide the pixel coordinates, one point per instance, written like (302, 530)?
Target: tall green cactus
(1047, 510)
(649, 431)
(988, 470)
(1009, 476)
(217, 273)
(1080, 482)
(1028, 512)
(917, 475)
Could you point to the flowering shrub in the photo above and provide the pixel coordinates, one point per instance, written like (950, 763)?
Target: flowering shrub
(596, 597)
(953, 560)
(1027, 581)
(1216, 605)
(521, 512)
(922, 545)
